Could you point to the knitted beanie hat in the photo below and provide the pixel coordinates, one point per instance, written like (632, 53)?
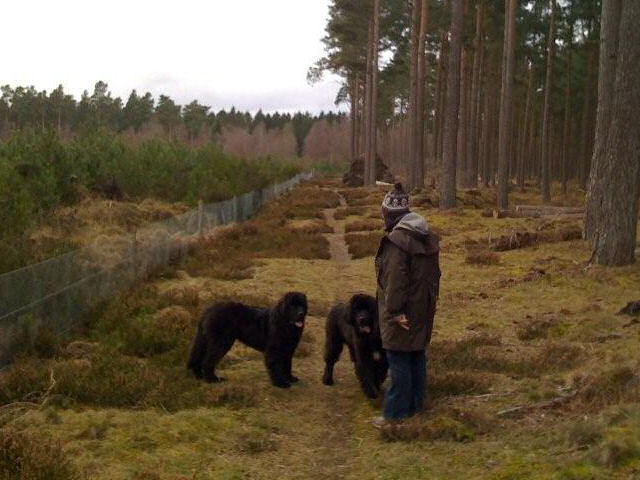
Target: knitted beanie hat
(397, 200)
(395, 206)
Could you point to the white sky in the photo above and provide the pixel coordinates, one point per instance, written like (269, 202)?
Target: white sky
(248, 53)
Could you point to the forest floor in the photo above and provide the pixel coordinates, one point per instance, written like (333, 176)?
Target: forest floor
(532, 327)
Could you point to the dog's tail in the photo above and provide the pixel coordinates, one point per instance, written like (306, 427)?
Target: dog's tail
(196, 356)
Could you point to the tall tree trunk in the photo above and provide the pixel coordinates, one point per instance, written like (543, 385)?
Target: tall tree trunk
(463, 116)
(442, 76)
(449, 153)
(585, 151)
(614, 183)
(420, 97)
(525, 129)
(471, 174)
(565, 129)
(367, 104)
(532, 151)
(609, 52)
(545, 156)
(506, 103)
(486, 127)
(370, 172)
(357, 116)
(437, 136)
(352, 117)
(413, 93)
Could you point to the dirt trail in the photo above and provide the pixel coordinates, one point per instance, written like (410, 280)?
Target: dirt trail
(337, 244)
(331, 412)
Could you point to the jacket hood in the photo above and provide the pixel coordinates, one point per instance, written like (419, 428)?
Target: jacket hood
(413, 222)
(413, 236)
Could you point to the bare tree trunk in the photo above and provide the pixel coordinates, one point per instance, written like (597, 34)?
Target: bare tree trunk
(532, 151)
(609, 51)
(413, 92)
(357, 116)
(367, 104)
(506, 103)
(449, 151)
(585, 152)
(484, 154)
(464, 116)
(545, 156)
(525, 128)
(614, 184)
(437, 143)
(353, 115)
(442, 75)
(471, 174)
(565, 130)
(371, 151)
(420, 103)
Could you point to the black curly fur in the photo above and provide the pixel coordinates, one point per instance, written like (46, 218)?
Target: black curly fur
(269, 330)
(356, 325)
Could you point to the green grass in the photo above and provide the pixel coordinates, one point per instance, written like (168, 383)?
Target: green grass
(532, 327)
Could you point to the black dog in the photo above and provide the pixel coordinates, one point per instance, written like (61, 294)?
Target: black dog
(275, 331)
(356, 325)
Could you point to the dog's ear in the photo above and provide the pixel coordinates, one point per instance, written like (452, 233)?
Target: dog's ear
(305, 303)
(351, 311)
(279, 311)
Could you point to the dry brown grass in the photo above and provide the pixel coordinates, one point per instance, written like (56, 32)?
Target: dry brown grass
(363, 244)
(360, 197)
(300, 203)
(523, 239)
(32, 457)
(616, 385)
(344, 212)
(485, 353)
(309, 226)
(534, 328)
(456, 425)
(232, 253)
(364, 226)
(482, 257)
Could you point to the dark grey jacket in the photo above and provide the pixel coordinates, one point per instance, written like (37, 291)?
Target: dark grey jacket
(408, 274)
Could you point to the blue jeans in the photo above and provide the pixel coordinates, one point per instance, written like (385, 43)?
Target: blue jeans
(405, 396)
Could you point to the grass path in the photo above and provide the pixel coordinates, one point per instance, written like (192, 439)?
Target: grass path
(337, 244)
(331, 415)
(317, 439)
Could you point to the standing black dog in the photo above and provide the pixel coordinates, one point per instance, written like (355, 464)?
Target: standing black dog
(356, 325)
(275, 331)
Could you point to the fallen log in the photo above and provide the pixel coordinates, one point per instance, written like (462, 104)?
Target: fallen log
(531, 213)
(526, 239)
(632, 309)
(553, 403)
(548, 210)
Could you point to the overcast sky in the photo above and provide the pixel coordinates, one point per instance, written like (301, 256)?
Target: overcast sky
(248, 53)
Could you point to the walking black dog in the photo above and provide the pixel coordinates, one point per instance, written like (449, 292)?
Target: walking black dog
(275, 331)
(356, 325)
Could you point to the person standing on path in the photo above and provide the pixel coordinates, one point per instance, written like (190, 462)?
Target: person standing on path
(408, 280)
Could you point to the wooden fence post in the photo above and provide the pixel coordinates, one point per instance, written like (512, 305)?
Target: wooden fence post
(200, 216)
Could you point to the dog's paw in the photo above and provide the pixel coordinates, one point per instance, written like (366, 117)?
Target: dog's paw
(282, 384)
(327, 380)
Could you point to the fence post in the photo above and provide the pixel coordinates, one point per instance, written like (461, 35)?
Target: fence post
(135, 255)
(200, 216)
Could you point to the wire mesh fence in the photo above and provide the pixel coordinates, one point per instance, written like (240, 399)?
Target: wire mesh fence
(56, 293)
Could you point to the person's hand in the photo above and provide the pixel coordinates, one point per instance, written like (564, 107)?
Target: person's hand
(403, 321)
